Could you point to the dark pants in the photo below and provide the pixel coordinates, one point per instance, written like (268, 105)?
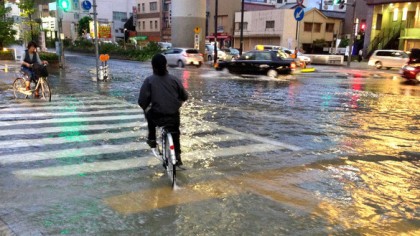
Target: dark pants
(171, 123)
(30, 73)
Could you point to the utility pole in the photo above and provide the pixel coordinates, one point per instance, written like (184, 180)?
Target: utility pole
(241, 39)
(59, 42)
(352, 33)
(95, 28)
(216, 13)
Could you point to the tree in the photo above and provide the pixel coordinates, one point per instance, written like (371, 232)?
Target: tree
(27, 8)
(84, 25)
(6, 31)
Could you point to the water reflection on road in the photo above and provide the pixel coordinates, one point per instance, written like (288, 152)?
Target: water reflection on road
(339, 155)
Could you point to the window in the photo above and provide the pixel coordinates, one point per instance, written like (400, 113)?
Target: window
(379, 22)
(248, 56)
(153, 6)
(395, 17)
(151, 24)
(138, 7)
(144, 25)
(329, 27)
(317, 27)
(119, 16)
(384, 53)
(264, 56)
(269, 24)
(143, 9)
(156, 24)
(238, 26)
(307, 27)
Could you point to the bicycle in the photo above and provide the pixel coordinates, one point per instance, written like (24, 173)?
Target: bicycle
(167, 154)
(20, 92)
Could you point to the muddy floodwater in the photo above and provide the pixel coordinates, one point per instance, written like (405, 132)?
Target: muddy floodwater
(335, 152)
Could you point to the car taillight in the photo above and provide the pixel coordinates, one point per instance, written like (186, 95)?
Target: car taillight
(292, 65)
(201, 54)
(184, 55)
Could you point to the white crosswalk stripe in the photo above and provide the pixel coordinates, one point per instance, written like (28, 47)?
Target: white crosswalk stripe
(70, 130)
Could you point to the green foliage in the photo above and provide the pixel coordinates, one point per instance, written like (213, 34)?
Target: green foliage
(344, 43)
(6, 55)
(116, 51)
(84, 25)
(31, 27)
(83, 43)
(6, 31)
(47, 56)
(67, 42)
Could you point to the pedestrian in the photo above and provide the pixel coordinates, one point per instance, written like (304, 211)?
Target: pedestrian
(360, 55)
(161, 97)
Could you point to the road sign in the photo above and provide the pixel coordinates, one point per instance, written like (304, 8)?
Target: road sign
(299, 13)
(197, 41)
(86, 5)
(197, 30)
(299, 2)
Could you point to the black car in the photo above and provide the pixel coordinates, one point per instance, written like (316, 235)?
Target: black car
(269, 63)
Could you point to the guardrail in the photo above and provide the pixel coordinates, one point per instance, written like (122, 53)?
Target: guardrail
(326, 59)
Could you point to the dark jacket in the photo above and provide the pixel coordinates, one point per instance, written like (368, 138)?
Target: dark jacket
(165, 94)
(27, 59)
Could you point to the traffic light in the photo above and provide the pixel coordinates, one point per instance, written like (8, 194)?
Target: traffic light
(64, 5)
(341, 3)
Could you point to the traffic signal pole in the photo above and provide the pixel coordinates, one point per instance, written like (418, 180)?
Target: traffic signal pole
(352, 33)
(95, 28)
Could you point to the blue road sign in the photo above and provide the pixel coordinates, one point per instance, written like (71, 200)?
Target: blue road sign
(299, 13)
(86, 5)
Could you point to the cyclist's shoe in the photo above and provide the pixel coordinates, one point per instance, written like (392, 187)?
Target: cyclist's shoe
(178, 160)
(179, 163)
(151, 143)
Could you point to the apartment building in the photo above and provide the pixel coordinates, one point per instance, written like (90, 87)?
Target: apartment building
(154, 20)
(390, 24)
(278, 27)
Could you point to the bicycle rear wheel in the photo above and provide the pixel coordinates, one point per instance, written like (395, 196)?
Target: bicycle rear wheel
(169, 150)
(45, 91)
(19, 88)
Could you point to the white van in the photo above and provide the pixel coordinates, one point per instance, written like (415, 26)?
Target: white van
(388, 59)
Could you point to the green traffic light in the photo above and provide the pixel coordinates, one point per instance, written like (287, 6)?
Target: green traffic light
(65, 5)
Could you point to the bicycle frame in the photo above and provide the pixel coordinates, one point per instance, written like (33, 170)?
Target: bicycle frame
(166, 136)
(167, 154)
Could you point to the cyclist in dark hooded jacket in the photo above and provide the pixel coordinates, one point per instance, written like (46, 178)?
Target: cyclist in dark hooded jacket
(161, 97)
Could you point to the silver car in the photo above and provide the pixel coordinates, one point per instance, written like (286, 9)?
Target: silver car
(388, 59)
(183, 56)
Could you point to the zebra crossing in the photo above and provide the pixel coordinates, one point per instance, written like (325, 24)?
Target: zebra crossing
(96, 134)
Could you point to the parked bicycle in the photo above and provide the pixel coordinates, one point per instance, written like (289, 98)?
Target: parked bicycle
(165, 151)
(41, 85)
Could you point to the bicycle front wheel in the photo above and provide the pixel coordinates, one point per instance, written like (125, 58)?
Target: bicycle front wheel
(19, 88)
(169, 151)
(45, 91)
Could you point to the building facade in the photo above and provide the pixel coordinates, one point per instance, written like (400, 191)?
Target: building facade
(278, 27)
(225, 21)
(110, 14)
(384, 24)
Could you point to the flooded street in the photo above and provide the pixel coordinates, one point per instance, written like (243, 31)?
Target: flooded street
(335, 152)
